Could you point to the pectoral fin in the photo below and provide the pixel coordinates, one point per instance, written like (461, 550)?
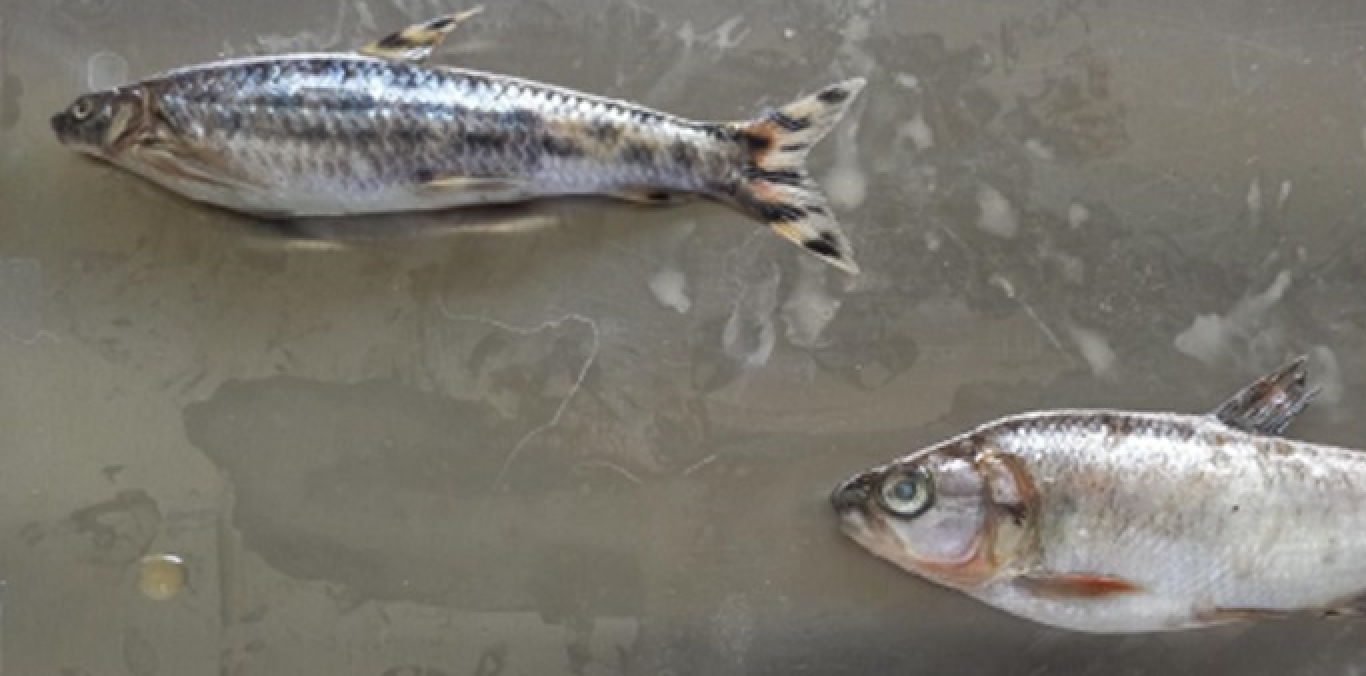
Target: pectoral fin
(454, 183)
(416, 42)
(1268, 405)
(185, 162)
(1076, 585)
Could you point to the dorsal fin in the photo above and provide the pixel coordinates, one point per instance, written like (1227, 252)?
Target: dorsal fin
(416, 42)
(1268, 405)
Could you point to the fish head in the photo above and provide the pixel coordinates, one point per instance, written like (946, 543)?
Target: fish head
(959, 513)
(99, 123)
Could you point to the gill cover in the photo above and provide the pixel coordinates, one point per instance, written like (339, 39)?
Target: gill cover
(960, 515)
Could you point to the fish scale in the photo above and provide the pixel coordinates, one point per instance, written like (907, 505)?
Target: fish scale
(380, 131)
(1118, 521)
(326, 108)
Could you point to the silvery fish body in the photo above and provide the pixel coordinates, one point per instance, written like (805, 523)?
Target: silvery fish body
(1112, 522)
(379, 130)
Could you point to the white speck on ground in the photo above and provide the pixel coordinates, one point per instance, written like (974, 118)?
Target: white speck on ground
(1077, 215)
(1254, 200)
(1284, 195)
(933, 241)
(1071, 267)
(996, 215)
(749, 334)
(809, 307)
(919, 132)
(1095, 350)
(670, 288)
(910, 81)
(1039, 150)
(1211, 336)
(847, 186)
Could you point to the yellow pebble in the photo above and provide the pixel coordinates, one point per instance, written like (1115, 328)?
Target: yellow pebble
(162, 576)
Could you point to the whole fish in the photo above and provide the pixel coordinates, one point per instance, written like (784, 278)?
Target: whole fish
(1117, 522)
(379, 130)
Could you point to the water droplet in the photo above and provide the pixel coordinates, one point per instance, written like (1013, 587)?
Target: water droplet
(162, 576)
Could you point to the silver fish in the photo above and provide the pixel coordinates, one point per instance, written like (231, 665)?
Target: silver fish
(1119, 522)
(379, 130)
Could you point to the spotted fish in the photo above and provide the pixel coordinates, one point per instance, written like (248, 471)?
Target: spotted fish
(1115, 522)
(380, 130)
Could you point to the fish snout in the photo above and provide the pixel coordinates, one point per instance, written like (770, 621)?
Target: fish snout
(851, 494)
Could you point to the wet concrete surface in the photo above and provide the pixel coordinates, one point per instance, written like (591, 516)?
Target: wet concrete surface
(604, 446)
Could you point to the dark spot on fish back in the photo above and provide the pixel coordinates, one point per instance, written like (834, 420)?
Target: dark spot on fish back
(684, 154)
(522, 118)
(824, 245)
(729, 189)
(556, 146)
(412, 135)
(789, 123)
(483, 140)
(778, 212)
(645, 117)
(635, 152)
(1016, 511)
(833, 95)
(440, 24)
(755, 143)
(604, 131)
(791, 177)
(1119, 425)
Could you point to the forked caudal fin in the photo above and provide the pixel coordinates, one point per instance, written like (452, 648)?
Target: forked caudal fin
(777, 188)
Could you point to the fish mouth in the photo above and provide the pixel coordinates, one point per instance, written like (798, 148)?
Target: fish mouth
(851, 495)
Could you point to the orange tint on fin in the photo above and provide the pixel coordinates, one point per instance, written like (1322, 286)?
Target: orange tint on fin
(776, 187)
(1077, 585)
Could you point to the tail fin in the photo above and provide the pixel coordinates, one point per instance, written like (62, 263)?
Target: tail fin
(777, 189)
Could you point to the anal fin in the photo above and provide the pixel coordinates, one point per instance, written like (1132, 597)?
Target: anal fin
(650, 196)
(1214, 616)
(1076, 585)
(1270, 404)
(415, 43)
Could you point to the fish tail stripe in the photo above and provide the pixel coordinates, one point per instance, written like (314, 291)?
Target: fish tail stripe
(776, 187)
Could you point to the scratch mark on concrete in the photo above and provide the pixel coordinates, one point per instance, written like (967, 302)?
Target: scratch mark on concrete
(579, 379)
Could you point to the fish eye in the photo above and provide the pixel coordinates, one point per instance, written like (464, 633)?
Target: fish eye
(82, 109)
(906, 493)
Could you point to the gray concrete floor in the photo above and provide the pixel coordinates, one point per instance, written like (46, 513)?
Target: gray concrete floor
(604, 447)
